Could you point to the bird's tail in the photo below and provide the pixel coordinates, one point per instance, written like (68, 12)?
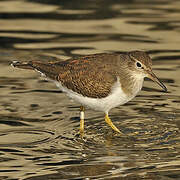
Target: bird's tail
(45, 69)
(22, 65)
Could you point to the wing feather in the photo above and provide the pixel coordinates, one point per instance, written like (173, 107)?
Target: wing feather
(91, 76)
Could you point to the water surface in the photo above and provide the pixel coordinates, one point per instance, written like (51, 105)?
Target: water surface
(39, 123)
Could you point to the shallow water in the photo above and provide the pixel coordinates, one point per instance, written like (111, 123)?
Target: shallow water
(38, 123)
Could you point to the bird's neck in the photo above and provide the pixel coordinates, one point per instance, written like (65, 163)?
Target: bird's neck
(131, 85)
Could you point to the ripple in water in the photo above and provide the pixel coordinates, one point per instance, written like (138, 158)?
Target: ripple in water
(39, 124)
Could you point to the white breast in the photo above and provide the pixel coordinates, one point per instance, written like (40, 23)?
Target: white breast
(117, 97)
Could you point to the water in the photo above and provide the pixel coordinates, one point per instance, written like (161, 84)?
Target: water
(39, 123)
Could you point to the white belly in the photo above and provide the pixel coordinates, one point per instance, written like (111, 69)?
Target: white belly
(115, 98)
(101, 104)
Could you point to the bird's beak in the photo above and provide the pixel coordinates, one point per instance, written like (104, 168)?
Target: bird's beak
(152, 76)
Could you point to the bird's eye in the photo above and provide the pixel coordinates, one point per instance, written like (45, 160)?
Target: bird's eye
(139, 65)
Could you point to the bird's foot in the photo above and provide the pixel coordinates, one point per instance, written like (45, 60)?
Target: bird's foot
(110, 123)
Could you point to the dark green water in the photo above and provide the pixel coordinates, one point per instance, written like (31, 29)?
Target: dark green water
(38, 123)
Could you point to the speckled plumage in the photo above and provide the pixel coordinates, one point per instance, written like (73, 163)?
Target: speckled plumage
(92, 75)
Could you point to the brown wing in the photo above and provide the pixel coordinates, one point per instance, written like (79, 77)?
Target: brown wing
(91, 76)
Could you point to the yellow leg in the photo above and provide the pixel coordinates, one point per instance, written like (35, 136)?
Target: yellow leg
(109, 122)
(81, 130)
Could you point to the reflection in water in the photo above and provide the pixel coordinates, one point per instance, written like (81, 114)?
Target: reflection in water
(39, 124)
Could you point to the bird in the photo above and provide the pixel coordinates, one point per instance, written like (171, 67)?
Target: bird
(99, 81)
